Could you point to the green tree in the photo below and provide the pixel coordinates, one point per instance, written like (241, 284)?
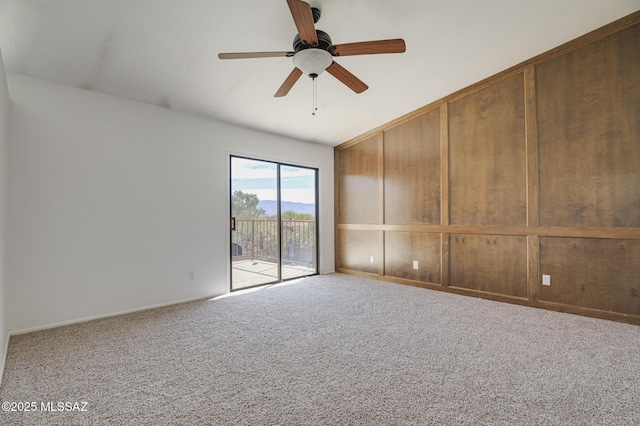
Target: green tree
(245, 206)
(292, 215)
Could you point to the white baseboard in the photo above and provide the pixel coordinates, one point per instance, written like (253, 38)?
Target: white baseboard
(3, 361)
(95, 317)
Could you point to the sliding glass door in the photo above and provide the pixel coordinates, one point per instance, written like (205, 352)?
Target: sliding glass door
(273, 222)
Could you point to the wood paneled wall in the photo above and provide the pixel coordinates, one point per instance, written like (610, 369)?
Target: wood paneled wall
(532, 172)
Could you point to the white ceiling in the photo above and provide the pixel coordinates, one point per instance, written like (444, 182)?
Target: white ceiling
(164, 52)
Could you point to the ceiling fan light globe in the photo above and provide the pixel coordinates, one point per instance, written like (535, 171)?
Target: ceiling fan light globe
(312, 61)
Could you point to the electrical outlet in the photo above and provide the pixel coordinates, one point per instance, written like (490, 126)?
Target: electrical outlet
(415, 264)
(192, 275)
(546, 279)
(372, 259)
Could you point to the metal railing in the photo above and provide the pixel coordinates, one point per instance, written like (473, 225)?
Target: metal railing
(257, 239)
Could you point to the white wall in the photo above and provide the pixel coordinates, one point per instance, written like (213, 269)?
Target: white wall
(112, 202)
(4, 175)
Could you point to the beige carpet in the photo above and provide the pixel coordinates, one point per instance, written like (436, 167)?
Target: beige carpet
(331, 349)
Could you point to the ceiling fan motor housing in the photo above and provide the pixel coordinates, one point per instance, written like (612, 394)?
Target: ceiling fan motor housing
(324, 42)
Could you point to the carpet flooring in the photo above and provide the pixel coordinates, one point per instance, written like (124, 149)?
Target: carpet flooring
(328, 350)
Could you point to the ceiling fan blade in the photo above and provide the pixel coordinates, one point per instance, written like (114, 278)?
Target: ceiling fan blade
(303, 18)
(288, 83)
(350, 80)
(245, 55)
(395, 45)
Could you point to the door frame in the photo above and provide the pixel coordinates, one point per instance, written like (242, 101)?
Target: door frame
(316, 252)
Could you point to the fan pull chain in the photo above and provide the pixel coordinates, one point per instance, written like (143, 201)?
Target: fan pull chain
(315, 95)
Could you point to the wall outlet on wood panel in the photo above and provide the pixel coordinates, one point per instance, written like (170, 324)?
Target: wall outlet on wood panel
(415, 264)
(546, 279)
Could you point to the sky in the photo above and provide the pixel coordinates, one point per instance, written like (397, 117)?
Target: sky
(259, 177)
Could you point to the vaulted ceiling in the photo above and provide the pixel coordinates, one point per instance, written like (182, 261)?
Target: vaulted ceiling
(164, 52)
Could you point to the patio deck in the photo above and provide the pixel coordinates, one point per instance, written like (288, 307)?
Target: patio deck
(248, 273)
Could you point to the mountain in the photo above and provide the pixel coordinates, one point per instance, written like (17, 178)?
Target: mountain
(271, 207)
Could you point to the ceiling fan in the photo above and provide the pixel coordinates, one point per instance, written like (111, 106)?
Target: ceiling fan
(313, 51)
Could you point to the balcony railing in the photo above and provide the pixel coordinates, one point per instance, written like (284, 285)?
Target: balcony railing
(257, 239)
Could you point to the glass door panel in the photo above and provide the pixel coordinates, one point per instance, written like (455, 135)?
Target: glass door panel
(298, 212)
(255, 239)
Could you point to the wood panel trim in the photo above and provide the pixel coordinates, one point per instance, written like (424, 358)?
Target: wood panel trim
(390, 125)
(574, 44)
(370, 227)
(336, 210)
(381, 262)
(516, 231)
(444, 193)
(531, 141)
(533, 266)
(380, 144)
(554, 231)
(616, 233)
(589, 312)
(444, 259)
(488, 82)
(358, 273)
(444, 164)
(588, 38)
(404, 281)
(487, 295)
